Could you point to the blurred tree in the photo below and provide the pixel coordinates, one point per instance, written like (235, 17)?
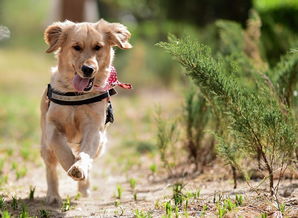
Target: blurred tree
(205, 11)
(73, 10)
(104, 10)
(199, 12)
(279, 31)
(1, 7)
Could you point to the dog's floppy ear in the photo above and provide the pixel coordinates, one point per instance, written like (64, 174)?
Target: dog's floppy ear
(55, 35)
(117, 34)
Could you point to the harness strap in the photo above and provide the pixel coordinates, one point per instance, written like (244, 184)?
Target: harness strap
(76, 98)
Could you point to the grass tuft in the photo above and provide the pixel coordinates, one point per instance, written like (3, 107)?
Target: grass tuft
(2, 202)
(24, 213)
(5, 214)
(31, 193)
(14, 203)
(119, 191)
(66, 205)
(44, 213)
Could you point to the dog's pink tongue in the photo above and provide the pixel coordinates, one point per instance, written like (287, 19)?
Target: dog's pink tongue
(80, 83)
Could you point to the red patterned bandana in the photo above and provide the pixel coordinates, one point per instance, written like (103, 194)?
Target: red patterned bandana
(113, 81)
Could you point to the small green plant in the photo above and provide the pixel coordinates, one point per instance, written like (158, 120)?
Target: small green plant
(135, 196)
(194, 195)
(117, 203)
(1, 165)
(176, 209)
(153, 169)
(3, 180)
(239, 200)
(221, 210)
(25, 152)
(282, 208)
(157, 204)
(264, 215)
(2, 202)
(31, 193)
(119, 191)
(24, 213)
(44, 213)
(204, 209)
(14, 165)
(167, 135)
(185, 213)
(66, 205)
(229, 204)
(14, 203)
(5, 214)
(142, 214)
(168, 208)
(78, 196)
(178, 196)
(186, 204)
(9, 152)
(21, 172)
(132, 183)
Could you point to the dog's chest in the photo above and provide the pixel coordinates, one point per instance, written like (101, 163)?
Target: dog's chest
(75, 121)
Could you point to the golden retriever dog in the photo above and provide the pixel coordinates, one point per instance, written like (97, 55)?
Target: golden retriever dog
(73, 135)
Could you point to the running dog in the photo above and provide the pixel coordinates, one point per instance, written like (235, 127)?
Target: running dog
(75, 106)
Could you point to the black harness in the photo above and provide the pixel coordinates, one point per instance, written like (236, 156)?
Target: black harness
(77, 98)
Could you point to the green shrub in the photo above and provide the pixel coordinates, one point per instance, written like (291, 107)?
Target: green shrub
(257, 122)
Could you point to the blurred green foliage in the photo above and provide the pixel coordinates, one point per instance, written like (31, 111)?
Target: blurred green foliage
(25, 67)
(151, 20)
(271, 4)
(26, 20)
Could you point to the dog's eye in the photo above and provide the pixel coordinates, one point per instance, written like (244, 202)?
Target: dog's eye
(97, 47)
(77, 48)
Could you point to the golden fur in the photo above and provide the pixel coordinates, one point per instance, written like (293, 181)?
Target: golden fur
(75, 135)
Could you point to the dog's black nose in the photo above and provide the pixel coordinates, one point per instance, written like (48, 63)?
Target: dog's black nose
(87, 70)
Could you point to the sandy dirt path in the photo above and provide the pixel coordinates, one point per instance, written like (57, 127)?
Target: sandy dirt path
(152, 193)
(101, 203)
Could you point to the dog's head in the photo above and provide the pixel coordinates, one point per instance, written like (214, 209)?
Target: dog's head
(85, 50)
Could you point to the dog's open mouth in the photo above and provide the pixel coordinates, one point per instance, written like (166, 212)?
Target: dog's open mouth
(82, 84)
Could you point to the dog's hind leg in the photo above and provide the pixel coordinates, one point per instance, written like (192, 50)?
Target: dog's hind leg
(50, 160)
(48, 157)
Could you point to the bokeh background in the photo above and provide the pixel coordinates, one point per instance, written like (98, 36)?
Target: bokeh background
(159, 82)
(24, 66)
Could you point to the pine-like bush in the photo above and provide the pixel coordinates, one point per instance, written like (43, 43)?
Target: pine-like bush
(254, 120)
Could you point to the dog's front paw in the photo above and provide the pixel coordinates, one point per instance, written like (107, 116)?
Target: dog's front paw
(53, 200)
(76, 172)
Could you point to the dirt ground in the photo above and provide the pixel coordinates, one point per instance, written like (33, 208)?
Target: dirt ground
(151, 194)
(118, 165)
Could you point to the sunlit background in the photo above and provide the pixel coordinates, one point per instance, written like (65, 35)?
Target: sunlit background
(24, 66)
(159, 83)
